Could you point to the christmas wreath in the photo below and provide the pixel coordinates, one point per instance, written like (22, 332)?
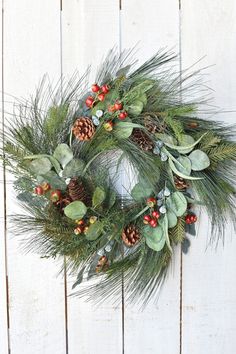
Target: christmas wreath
(67, 149)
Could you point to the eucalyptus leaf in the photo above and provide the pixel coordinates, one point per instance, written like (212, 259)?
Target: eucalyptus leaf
(154, 237)
(74, 168)
(99, 196)
(183, 165)
(123, 130)
(135, 108)
(40, 165)
(53, 179)
(167, 139)
(123, 71)
(164, 223)
(63, 154)
(177, 203)
(75, 210)
(139, 192)
(172, 219)
(178, 173)
(94, 231)
(187, 144)
(199, 160)
(112, 199)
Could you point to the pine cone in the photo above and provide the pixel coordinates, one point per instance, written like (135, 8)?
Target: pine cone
(78, 191)
(83, 129)
(102, 265)
(142, 139)
(130, 235)
(154, 125)
(180, 183)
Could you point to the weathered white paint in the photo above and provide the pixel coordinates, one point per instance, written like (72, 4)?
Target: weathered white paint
(34, 42)
(32, 48)
(209, 283)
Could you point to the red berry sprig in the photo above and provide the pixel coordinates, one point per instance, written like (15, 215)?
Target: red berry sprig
(151, 202)
(105, 89)
(118, 106)
(190, 219)
(39, 190)
(95, 88)
(123, 115)
(89, 101)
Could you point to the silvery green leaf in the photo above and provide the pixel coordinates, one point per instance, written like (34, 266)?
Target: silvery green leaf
(164, 157)
(159, 143)
(183, 165)
(166, 192)
(172, 219)
(154, 237)
(99, 113)
(187, 144)
(63, 154)
(178, 173)
(159, 202)
(95, 120)
(199, 160)
(167, 139)
(162, 209)
(160, 194)
(177, 203)
(40, 166)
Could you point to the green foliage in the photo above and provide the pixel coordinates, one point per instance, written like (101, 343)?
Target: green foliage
(177, 203)
(154, 237)
(99, 196)
(75, 210)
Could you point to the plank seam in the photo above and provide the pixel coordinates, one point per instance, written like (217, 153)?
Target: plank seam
(5, 193)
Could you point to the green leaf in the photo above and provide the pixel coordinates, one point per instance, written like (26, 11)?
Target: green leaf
(63, 154)
(112, 199)
(154, 237)
(143, 99)
(56, 116)
(74, 168)
(53, 179)
(75, 210)
(172, 219)
(164, 223)
(94, 231)
(135, 108)
(123, 71)
(178, 173)
(187, 144)
(40, 165)
(183, 165)
(55, 164)
(199, 160)
(99, 196)
(167, 139)
(139, 192)
(144, 86)
(123, 130)
(177, 203)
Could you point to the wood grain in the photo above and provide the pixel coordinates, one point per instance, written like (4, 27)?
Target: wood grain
(209, 286)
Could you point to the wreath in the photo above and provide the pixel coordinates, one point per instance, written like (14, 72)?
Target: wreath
(69, 147)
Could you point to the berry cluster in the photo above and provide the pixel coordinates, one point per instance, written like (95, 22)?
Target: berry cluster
(82, 227)
(152, 218)
(190, 218)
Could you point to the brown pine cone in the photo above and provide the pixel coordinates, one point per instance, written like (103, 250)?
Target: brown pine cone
(83, 129)
(102, 265)
(180, 183)
(142, 139)
(78, 191)
(130, 235)
(154, 126)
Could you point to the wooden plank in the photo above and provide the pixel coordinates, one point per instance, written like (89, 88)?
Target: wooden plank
(3, 266)
(32, 48)
(89, 30)
(209, 288)
(153, 24)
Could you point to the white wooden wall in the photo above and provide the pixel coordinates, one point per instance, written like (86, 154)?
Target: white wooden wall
(196, 311)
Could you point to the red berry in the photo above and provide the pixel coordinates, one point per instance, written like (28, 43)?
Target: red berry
(153, 223)
(89, 101)
(147, 219)
(108, 126)
(95, 88)
(111, 109)
(156, 214)
(105, 89)
(123, 115)
(39, 190)
(151, 202)
(195, 218)
(101, 97)
(118, 106)
(55, 195)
